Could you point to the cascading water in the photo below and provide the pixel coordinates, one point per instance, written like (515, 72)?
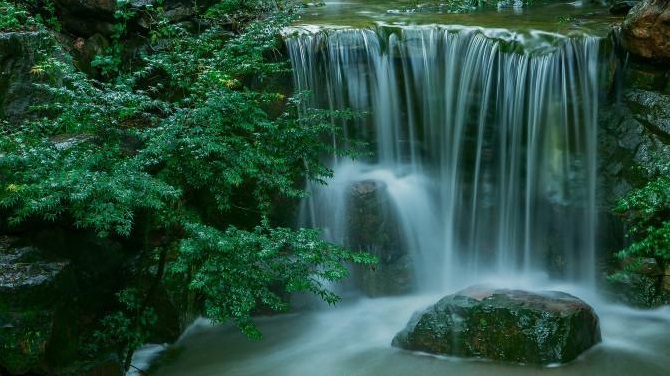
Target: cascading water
(484, 167)
(484, 140)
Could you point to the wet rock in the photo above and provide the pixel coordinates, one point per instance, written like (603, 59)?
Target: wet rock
(666, 280)
(638, 290)
(374, 230)
(652, 109)
(622, 7)
(646, 31)
(505, 325)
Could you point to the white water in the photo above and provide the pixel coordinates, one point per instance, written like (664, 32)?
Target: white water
(354, 340)
(487, 160)
(489, 157)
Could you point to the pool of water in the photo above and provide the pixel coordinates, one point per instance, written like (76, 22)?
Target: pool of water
(355, 340)
(562, 17)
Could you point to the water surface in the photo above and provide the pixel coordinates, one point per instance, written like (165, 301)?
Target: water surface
(562, 16)
(354, 340)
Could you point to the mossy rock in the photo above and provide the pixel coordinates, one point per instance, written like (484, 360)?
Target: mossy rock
(504, 325)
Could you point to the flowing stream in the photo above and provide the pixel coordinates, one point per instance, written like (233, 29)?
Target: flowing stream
(484, 169)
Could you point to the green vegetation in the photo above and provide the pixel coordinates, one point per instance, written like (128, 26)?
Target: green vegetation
(648, 210)
(14, 17)
(186, 151)
(27, 15)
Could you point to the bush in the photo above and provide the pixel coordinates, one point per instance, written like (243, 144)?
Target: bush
(183, 148)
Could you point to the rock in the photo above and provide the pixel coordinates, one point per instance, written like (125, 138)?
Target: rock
(666, 280)
(87, 17)
(637, 290)
(622, 7)
(644, 76)
(646, 31)
(29, 299)
(505, 325)
(373, 229)
(19, 54)
(652, 109)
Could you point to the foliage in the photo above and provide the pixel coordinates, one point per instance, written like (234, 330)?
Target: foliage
(128, 328)
(192, 144)
(235, 284)
(110, 62)
(27, 15)
(647, 209)
(14, 17)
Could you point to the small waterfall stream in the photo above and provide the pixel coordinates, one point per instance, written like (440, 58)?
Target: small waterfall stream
(484, 142)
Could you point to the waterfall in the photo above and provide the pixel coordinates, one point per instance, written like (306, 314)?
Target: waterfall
(484, 149)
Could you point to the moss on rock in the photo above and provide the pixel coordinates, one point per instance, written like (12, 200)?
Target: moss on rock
(506, 325)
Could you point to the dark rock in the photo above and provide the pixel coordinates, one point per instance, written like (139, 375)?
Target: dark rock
(506, 325)
(19, 54)
(87, 17)
(373, 230)
(622, 7)
(646, 31)
(88, 6)
(652, 109)
(639, 76)
(638, 290)
(29, 298)
(87, 49)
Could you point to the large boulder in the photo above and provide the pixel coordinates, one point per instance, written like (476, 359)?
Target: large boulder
(505, 325)
(646, 31)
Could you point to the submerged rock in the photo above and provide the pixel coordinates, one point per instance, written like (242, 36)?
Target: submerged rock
(506, 325)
